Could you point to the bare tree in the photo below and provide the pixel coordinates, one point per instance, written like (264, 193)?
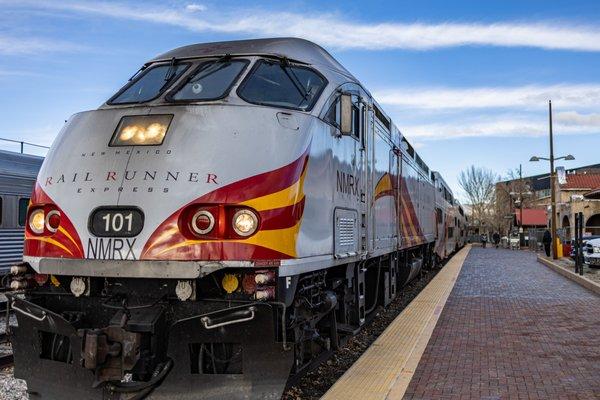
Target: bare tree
(479, 185)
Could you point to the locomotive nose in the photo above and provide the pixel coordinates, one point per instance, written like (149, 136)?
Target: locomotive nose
(120, 186)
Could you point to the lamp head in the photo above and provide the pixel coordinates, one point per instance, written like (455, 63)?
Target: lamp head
(569, 157)
(534, 158)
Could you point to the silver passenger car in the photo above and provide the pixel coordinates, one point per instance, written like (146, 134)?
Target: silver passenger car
(17, 177)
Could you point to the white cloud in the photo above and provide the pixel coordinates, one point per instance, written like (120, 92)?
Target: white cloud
(493, 111)
(335, 31)
(195, 7)
(530, 97)
(574, 118)
(505, 126)
(23, 46)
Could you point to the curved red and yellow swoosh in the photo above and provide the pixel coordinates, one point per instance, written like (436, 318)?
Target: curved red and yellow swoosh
(64, 243)
(408, 220)
(277, 195)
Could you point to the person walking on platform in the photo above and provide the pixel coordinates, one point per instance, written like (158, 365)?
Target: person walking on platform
(547, 240)
(484, 239)
(496, 239)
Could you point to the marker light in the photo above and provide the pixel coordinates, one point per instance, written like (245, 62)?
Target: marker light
(230, 283)
(53, 220)
(78, 286)
(40, 279)
(245, 222)
(184, 290)
(141, 130)
(264, 277)
(202, 222)
(266, 293)
(248, 284)
(37, 221)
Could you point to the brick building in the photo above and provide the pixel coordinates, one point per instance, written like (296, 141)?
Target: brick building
(579, 192)
(575, 195)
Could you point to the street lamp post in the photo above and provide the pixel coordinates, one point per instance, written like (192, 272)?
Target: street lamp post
(568, 157)
(518, 201)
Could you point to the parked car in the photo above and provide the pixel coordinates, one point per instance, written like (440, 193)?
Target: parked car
(591, 253)
(583, 243)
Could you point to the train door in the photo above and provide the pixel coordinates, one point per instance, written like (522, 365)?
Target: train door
(396, 174)
(362, 170)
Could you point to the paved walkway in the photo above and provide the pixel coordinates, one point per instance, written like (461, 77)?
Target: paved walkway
(512, 329)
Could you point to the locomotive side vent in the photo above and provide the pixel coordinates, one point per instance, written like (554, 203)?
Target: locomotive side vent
(346, 233)
(346, 227)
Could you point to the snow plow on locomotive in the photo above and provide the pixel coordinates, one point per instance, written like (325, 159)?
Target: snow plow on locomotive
(218, 224)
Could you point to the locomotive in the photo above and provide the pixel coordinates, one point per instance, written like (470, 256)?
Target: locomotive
(224, 220)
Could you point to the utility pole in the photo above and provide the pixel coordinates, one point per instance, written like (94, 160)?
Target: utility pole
(552, 187)
(521, 231)
(568, 157)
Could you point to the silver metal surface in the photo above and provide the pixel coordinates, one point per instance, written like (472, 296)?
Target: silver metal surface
(11, 248)
(126, 268)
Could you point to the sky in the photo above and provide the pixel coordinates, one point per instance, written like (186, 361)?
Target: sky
(467, 82)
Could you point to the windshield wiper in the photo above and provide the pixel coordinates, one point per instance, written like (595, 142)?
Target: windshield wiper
(285, 66)
(208, 69)
(171, 70)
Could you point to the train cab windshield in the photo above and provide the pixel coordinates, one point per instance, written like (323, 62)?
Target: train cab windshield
(211, 80)
(276, 83)
(149, 84)
(280, 84)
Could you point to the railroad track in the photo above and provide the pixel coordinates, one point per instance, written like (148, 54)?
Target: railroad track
(6, 360)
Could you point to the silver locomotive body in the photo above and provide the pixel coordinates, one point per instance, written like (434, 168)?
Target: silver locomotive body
(218, 226)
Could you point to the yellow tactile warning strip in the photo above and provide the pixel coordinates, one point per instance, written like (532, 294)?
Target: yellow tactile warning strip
(386, 368)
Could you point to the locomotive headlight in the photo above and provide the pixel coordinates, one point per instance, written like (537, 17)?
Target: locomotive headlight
(156, 130)
(245, 222)
(128, 132)
(37, 221)
(141, 130)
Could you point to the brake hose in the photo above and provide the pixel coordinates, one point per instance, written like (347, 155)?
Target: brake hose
(146, 387)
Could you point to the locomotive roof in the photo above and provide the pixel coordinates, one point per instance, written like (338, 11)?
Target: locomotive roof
(438, 177)
(295, 49)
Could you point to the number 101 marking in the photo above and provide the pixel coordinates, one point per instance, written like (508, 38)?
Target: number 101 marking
(116, 222)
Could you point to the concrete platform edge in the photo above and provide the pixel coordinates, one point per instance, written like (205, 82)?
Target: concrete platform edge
(394, 388)
(581, 280)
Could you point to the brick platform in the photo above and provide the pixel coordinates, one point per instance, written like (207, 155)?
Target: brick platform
(512, 329)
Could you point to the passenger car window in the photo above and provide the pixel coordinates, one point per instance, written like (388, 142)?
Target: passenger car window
(280, 84)
(212, 80)
(1, 208)
(149, 85)
(23, 204)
